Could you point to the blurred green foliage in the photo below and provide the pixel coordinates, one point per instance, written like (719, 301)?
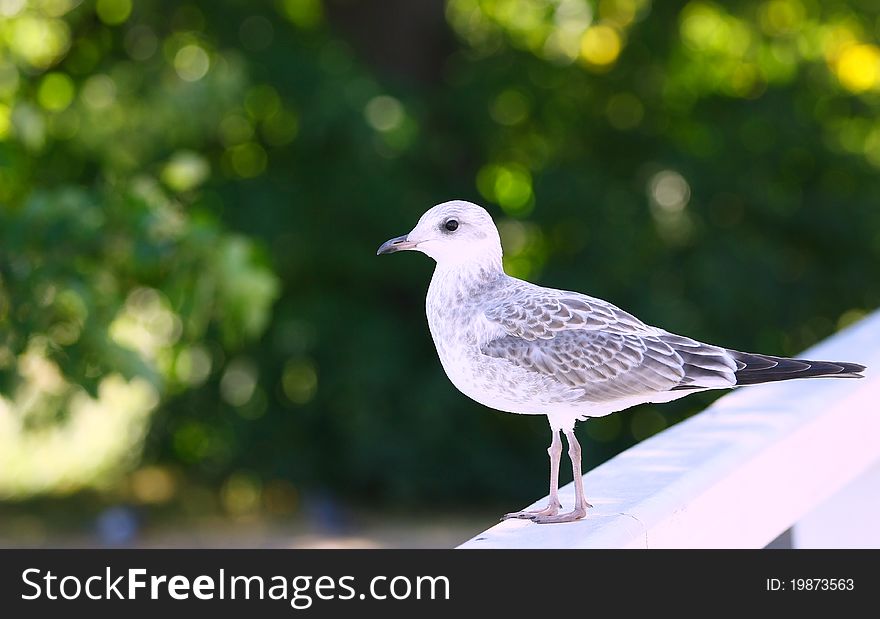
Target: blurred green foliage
(191, 195)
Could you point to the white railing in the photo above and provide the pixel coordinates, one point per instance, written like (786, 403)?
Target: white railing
(763, 460)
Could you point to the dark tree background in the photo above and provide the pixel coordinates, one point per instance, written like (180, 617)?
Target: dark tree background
(191, 195)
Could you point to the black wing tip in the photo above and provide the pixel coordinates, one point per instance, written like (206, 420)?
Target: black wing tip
(766, 368)
(856, 367)
(847, 369)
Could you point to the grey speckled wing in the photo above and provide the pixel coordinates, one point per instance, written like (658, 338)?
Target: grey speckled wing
(607, 366)
(532, 312)
(592, 345)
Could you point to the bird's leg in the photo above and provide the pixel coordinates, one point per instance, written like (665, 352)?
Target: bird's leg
(580, 501)
(553, 505)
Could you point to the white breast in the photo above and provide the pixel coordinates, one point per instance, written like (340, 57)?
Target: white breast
(459, 329)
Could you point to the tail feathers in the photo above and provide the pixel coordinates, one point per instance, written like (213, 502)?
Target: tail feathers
(754, 369)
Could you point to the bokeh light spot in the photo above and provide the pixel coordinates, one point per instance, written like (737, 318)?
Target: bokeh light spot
(303, 13)
(113, 12)
(299, 381)
(238, 382)
(99, 92)
(858, 67)
(669, 194)
(525, 251)
(55, 92)
(40, 42)
(510, 107)
(620, 12)
(384, 113)
(646, 423)
(600, 45)
(146, 323)
(699, 24)
(781, 17)
(152, 485)
(241, 494)
(193, 366)
(669, 190)
(247, 160)
(191, 62)
(850, 317)
(508, 185)
(185, 171)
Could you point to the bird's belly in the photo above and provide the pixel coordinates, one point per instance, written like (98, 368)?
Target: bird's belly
(482, 381)
(498, 384)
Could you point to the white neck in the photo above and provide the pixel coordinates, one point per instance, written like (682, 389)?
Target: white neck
(466, 275)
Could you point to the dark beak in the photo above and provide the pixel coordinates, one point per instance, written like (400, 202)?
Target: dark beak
(396, 244)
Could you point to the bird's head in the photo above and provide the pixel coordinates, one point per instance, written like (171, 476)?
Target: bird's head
(451, 232)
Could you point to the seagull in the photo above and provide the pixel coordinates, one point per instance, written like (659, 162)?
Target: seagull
(521, 348)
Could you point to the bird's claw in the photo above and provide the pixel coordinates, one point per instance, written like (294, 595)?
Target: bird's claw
(551, 510)
(575, 514)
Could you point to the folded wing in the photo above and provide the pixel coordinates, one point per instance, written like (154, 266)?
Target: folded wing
(586, 343)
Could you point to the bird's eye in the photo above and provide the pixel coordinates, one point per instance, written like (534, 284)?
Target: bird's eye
(451, 225)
